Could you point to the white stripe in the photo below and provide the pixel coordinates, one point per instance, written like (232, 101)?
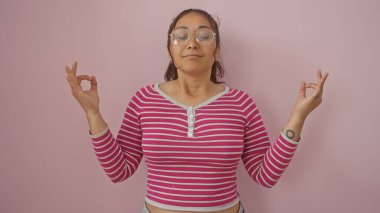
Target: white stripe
(170, 124)
(188, 152)
(184, 195)
(281, 156)
(194, 190)
(159, 162)
(271, 154)
(192, 158)
(155, 140)
(213, 124)
(223, 129)
(219, 119)
(185, 146)
(104, 139)
(273, 164)
(166, 118)
(191, 184)
(278, 146)
(192, 166)
(197, 172)
(168, 129)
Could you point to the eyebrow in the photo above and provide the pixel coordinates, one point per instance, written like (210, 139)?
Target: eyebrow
(184, 27)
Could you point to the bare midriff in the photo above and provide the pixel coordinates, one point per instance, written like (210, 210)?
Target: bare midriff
(154, 209)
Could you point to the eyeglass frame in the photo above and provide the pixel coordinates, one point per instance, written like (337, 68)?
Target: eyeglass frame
(191, 36)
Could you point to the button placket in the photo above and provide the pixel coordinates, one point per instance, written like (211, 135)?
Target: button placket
(190, 121)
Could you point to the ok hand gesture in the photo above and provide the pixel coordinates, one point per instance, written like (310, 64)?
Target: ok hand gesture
(88, 99)
(306, 104)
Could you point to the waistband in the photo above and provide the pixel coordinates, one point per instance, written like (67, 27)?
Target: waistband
(145, 209)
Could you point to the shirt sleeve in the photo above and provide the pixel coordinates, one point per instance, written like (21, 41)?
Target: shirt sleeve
(120, 156)
(264, 162)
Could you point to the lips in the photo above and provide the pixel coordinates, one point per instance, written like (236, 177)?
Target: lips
(192, 55)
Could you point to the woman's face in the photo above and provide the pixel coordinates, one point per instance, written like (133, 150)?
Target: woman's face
(191, 56)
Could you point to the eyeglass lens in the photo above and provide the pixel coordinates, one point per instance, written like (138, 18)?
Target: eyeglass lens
(182, 35)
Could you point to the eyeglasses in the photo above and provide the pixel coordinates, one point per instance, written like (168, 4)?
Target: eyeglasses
(181, 36)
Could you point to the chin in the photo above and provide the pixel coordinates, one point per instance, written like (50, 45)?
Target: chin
(194, 69)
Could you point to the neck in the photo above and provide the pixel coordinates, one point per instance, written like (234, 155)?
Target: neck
(194, 86)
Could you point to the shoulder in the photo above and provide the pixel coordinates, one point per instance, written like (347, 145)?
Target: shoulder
(239, 93)
(143, 94)
(146, 89)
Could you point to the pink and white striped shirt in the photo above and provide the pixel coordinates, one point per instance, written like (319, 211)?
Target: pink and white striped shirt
(192, 153)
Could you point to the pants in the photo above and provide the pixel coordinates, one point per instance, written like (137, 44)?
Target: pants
(145, 210)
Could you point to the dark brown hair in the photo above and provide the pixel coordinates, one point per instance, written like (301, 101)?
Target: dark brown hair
(217, 70)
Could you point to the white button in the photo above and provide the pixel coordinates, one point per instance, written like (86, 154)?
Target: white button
(190, 120)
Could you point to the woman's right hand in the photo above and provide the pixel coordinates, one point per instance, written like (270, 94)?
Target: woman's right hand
(88, 99)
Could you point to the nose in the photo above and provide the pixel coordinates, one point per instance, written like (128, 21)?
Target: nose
(192, 44)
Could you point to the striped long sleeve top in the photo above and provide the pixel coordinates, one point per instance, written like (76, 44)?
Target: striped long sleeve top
(192, 153)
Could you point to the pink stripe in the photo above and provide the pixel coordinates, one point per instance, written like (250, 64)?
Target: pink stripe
(225, 130)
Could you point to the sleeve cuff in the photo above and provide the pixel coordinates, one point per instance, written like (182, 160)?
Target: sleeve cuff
(99, 134)
(288, 139)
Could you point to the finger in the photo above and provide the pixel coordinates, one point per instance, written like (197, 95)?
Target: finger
(74, 67)
(68, 78)
(324, 78)
(76, 81)
(72, 81)
(302, 90)
(94, 84)
(67, 69)
(319, 75)
(83, 77)
(312, 85)
(69, 72)
(317, 94)
(318, 90)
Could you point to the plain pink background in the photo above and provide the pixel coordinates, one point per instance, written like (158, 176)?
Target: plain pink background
(46, 160)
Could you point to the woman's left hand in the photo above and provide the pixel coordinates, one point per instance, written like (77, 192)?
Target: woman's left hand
(304, 105)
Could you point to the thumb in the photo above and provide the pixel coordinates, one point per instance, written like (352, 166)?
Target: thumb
(302, 90)
(94, 84)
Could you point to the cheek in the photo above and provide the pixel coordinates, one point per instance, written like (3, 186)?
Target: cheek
(211, 51)
(211, 55)
(175, 52)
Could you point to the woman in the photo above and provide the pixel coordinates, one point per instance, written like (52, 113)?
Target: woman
(192, 129)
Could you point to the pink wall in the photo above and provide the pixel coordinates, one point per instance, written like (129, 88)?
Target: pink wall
(46, 160)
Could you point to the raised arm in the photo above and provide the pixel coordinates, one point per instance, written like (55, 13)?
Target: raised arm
(266, 162)
(118, 156)
(88, 99)
(304, 105)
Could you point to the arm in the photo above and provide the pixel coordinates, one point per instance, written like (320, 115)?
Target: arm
(96, 123)
(304, 106)
(293, 128)
(118, 156)
(264, 162)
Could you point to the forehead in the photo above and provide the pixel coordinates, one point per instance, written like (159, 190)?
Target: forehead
(193, 20)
